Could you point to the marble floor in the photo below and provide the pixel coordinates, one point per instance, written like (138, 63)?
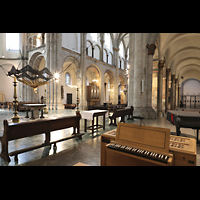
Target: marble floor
(71, 151)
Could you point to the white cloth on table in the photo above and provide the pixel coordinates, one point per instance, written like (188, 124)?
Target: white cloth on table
(89, 114)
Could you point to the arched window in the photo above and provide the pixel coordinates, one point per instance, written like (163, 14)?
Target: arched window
(94, 36)
(121, 50)
(39, 40)
(67, 79)
(108, 40)
(12, 41)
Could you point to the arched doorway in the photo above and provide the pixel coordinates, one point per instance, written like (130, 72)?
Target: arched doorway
(190, 93)
(93, 83)
(109, 86)
(37, 62)
(121, 87)
(69, 82)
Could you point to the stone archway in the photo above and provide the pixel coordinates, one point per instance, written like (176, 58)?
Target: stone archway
(37, 62)
(93, 83)
(69, 82)
(109, 86)
(121, 87)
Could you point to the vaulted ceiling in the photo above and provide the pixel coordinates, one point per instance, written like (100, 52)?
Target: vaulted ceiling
(181, 52)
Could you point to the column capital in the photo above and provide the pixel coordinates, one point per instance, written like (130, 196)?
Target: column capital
(173, 77)
(161, 63)
(151, 49)
(168, 70)
(102, 40)
(115, 49)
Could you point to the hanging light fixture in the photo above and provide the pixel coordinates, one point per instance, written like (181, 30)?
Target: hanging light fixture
(33, 78)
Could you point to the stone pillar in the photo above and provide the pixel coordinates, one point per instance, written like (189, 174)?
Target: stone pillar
(52, 66)
(116, 55)
(24, 61)
(168, 70)
(137, 76)
(172, 107)
(48, 66)
(102, 45)
(159, 88)
(151, 50)
(176, 93)
(139, 68)
(59, 104)
(102, 89)
(131, 69)
(82, 89)
(179, 90)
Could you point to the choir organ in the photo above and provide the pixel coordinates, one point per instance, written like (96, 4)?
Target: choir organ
(182, 148)
(137, 145)
(92, 94)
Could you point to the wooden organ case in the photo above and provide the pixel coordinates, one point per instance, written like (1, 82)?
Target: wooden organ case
(92, 94)
(182, 148)
(136, 145)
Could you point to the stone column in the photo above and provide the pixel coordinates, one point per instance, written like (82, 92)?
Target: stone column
(102, 89)
(102, 45)
(168, 70)
(179, 89)
(138, 62)
(82, 89)
(48, 102)
(159, 88)
(59, 104)
(151, 50)
(52, 66)
(24, 61)
(176, 93)
(137, 76)
(116, 55)
(172, 91)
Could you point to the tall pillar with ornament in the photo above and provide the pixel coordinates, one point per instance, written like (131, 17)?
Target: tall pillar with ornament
(160, 88)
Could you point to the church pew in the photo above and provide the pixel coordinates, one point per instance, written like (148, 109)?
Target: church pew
(27, 129)
(121, 113)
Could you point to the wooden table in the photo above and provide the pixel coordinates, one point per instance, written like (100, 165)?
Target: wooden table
(34, 110)
(90, 115)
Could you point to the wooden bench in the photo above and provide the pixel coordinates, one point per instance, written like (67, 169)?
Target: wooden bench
(121, 113)
(71, 106)
(27, 129)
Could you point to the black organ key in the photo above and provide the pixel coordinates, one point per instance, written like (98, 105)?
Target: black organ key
(139, 152)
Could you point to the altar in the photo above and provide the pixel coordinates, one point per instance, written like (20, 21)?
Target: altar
(89, 115)
(34, 108)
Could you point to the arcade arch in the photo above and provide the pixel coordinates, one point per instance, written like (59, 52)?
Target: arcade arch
(109, 86)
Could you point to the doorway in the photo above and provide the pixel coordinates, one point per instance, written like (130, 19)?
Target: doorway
(69, 98)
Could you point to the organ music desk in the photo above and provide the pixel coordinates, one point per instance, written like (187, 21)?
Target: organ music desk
(180, 151)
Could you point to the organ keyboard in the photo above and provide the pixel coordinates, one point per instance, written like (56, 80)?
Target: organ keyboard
(182, 148)
(136, 145)
(140, 152)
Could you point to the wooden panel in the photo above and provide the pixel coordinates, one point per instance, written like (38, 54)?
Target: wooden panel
(1, 97)
(182, 159)
(105, 139)
(184, 152)
(182, 144)
(153, 138)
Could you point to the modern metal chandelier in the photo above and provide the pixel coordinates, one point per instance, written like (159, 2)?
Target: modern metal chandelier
(33, 78)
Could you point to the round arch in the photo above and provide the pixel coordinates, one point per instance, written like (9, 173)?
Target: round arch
(109, 86)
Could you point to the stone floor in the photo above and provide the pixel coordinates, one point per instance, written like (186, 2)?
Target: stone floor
(71, 151)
